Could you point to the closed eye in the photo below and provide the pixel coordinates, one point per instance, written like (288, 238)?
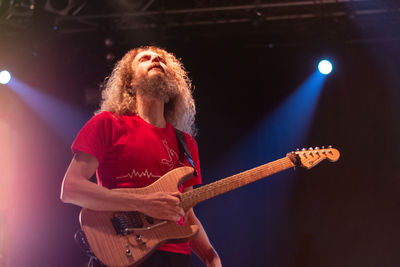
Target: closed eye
(144, 58)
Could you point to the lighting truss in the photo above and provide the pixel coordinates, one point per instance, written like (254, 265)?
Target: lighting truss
(203, 13)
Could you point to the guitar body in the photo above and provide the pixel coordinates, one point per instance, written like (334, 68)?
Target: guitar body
(126, 238)
(115, 247)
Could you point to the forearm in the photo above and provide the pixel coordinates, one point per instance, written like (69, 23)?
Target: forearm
(79, 190)
(84, 193)
(201, 244)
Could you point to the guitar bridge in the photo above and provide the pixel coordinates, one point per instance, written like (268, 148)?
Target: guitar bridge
(125, 222)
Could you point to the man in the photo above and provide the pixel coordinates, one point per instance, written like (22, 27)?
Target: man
(131, 143)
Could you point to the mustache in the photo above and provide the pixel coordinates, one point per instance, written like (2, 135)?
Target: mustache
(152, 66)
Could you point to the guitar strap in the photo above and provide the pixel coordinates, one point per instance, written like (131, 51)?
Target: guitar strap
(184, 148)
(83, 244)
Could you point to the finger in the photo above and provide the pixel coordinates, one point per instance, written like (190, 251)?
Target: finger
(181, 212)
(172, 218)
(173, 200)
(176, 211)
(176, 194)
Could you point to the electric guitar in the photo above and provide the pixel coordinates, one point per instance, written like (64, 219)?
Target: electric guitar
(128, 238)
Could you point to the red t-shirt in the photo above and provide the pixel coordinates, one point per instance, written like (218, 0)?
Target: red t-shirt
(133, 153)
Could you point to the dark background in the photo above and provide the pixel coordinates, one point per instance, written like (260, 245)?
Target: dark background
(337, 214)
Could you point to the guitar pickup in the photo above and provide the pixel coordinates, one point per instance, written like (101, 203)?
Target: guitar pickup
(125, 222)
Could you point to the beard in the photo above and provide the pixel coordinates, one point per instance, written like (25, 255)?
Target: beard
(162, 87)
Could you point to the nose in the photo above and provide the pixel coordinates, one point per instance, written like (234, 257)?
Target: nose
(156, 58)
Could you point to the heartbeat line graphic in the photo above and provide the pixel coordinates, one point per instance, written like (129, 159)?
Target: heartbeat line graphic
(135, 173)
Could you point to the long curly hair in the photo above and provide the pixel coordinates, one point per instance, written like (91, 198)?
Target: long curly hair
(119, 97)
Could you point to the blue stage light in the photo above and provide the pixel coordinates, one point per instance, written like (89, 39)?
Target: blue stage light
(5, 77)
(325, 67)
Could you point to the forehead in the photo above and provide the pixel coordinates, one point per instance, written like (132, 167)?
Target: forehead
(148, 52)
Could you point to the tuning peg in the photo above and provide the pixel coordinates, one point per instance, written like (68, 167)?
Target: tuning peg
(329, 146)
(316, 148)
(303, 149)
(323, 147)
(310, 148)
(297, 149)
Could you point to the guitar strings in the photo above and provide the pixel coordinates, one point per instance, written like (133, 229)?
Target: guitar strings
(191, 198)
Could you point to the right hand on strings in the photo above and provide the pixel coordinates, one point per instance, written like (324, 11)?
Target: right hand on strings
(162, 205)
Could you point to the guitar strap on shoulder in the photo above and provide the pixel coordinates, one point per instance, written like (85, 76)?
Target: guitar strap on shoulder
(184, 148)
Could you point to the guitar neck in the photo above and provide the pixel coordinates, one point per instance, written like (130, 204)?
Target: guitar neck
(191, 198)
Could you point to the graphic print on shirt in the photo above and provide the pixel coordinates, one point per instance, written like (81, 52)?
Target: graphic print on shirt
(169, 163)
(173, 156)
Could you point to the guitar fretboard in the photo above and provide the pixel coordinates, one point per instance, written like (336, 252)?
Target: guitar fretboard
(191, 198)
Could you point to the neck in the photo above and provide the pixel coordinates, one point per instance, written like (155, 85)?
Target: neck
(151, 110)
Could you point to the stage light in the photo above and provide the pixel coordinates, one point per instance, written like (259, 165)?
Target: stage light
(5, 77)
(40, 103)
(325, 67)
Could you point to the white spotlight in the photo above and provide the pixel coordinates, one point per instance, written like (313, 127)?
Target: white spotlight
(325, 67)
(5, 77)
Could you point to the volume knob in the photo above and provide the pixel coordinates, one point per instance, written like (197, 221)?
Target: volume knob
(128, 252)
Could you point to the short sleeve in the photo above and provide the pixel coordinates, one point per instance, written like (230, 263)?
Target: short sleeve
(95, 136)
(193, 149)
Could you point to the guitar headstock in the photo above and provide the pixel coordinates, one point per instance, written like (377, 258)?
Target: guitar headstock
(308, 158)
